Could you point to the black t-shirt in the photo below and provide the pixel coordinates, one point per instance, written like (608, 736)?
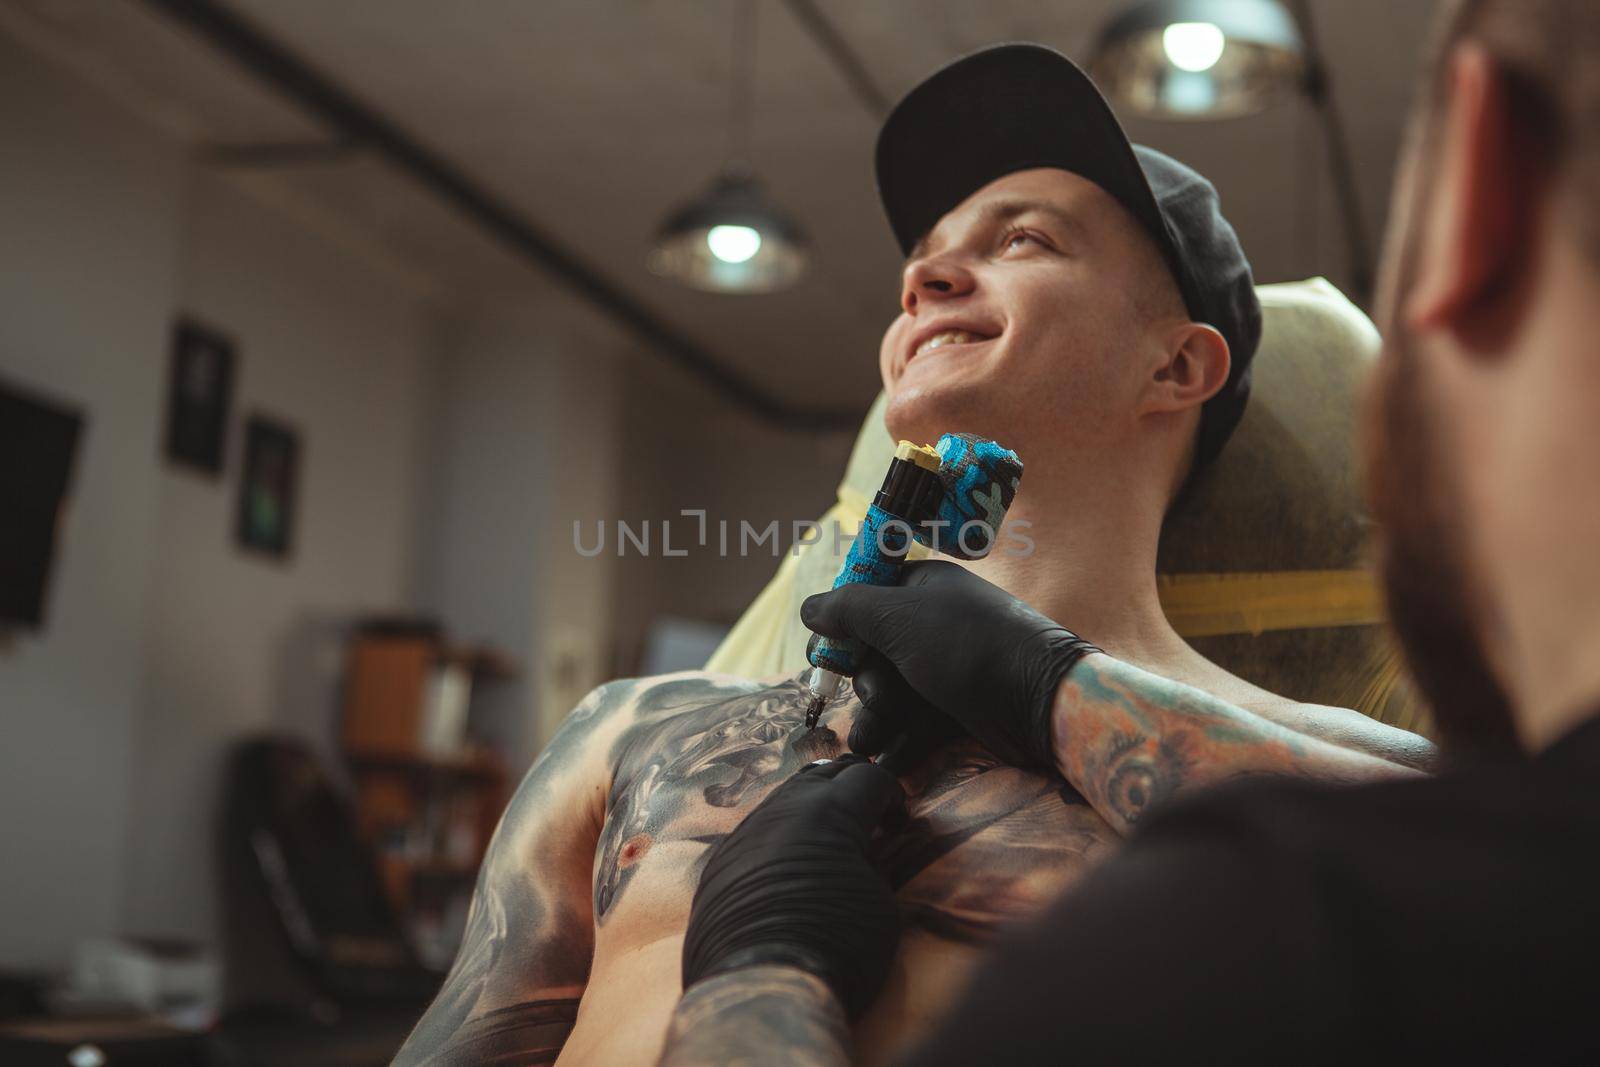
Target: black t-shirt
(1450, 919)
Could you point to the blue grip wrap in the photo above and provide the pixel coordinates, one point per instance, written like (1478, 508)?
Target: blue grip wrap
(980, 482)
(875, 558)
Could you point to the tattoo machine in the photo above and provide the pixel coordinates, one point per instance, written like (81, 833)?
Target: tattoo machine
(951, 498)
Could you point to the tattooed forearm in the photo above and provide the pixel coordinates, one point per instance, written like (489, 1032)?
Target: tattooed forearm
(1128, 740)
(758, 1017)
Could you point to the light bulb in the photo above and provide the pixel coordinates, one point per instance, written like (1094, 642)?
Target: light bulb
(1193, 46)
(733, 244)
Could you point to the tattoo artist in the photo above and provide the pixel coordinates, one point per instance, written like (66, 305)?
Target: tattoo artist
(1446, 919)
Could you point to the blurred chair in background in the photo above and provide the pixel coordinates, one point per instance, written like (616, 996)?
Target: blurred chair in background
(316, 964)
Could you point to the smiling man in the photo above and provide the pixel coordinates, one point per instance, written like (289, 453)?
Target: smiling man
(1446, 919)
(1087, 304)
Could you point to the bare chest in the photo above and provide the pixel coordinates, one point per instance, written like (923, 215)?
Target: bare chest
(984, 843)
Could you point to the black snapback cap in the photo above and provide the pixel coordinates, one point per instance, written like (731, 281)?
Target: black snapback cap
(1019, 106)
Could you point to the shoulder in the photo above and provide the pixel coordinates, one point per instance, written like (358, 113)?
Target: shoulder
(612, 708)
(623, 708)
(633, 715)
(1346, 727)
(1251, 697)
(670, 694)
(669, 708)
(573, 771)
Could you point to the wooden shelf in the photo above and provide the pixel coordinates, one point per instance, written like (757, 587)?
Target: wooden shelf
(478, 766)
(429, 817)
(486, 664)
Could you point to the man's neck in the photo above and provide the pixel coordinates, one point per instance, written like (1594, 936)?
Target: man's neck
(1092, 565)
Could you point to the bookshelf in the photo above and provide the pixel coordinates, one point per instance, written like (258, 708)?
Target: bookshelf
(427, 796)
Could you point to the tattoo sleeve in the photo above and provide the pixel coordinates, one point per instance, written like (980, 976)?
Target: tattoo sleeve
(758, 1017)
(513, 992)
(1128, 740)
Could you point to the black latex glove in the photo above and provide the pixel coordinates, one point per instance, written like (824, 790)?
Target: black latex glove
(947, 643)
(794, 884)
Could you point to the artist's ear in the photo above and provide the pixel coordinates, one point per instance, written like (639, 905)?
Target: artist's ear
(1479, 222)
(1195, 367)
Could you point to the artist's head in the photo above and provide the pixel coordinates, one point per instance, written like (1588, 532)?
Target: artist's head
(1078, 299)
(1483, 452)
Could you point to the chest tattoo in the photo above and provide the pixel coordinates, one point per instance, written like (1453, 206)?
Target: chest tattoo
(699, 749)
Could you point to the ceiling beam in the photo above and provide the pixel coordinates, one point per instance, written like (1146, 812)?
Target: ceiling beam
(843, 57)
(273, 63)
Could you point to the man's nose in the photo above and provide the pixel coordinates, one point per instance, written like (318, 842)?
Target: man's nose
(933, 279)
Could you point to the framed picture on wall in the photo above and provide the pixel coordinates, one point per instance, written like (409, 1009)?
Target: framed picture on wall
(267, 486)
(199, 389)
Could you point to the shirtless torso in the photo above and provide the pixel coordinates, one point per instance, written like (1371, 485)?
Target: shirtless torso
(573, 946)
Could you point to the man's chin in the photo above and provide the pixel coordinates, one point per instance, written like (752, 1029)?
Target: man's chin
(922, 414)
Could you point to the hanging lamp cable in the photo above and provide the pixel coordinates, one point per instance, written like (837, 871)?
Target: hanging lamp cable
(741, 81)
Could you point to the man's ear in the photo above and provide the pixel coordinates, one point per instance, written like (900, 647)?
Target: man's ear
(1195, 368)
(1478, 225)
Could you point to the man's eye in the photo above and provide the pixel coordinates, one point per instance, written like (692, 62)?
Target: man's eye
(1015, 238)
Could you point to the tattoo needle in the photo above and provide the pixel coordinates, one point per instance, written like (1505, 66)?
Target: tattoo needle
(824, 685)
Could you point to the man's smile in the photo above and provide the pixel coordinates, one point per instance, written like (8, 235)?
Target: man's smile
(948, 337)
(948, 334)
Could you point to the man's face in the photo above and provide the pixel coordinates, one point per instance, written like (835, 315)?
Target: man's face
(1415, 488)
(1021, 318)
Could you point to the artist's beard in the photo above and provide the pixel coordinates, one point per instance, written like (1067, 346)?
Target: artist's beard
(1434, 603)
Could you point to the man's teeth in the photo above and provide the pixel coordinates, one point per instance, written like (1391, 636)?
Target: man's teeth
(948, 337)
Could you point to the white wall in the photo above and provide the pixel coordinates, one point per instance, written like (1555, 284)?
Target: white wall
(526, 429)
(89, 232)
(163, 642)
(546, 415)
(445, 458)
(689, 449)
(238, 642)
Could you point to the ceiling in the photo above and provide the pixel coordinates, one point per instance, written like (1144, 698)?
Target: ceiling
(593, 118)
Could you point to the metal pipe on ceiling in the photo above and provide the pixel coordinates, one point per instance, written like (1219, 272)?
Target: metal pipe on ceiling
(277, 66)
(850, 66)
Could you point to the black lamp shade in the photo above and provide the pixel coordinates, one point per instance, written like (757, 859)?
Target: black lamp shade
(732, 239)
(1261, 58)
